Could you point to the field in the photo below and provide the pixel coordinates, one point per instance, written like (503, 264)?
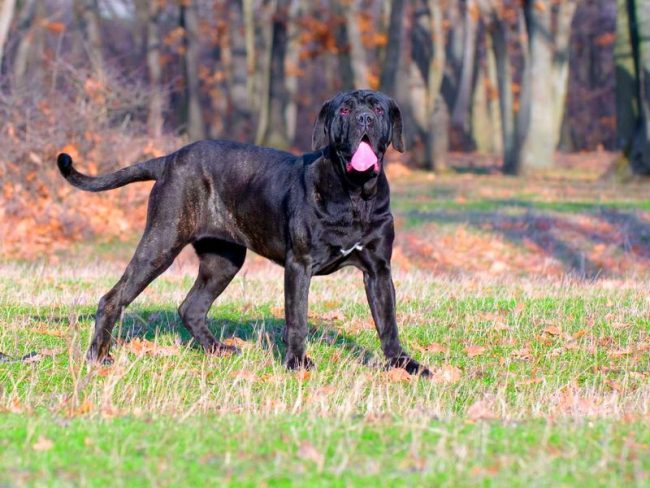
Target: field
(529, 299)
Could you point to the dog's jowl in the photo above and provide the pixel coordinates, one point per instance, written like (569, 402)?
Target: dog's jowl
(311, 214)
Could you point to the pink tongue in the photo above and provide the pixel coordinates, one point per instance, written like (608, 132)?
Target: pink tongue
(363, 158)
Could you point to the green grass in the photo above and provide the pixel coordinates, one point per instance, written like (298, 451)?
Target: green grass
(538, 381)
(565, 411)
(297, 450)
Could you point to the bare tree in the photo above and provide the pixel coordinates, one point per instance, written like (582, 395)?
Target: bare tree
(27, 19)
(153, 46)
(190, 23)
(548, 38)
(388, 82)
(632, 55)
(6, 15)
(428, 51)
(87, 15)
(460, 114)
(273, 126)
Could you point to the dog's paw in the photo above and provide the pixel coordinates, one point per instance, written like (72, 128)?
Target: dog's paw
(410, 365)
(295, 362)
(92, 358)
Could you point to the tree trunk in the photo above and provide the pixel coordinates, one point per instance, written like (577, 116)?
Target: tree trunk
(548, 55)
(275, 132)
(358, 55)
(346, 71)
(239, 115)
(482, 128)
(633, 81)
(540, 138)
(437, 142)
(156, 99)
(627, 103)
(87, 16)
(560, 69)
(388, 80)
(251, 54)
(6, 15)
(292, 66)
(460, 115)
(27, 21)
(499, 36)
(194, 117)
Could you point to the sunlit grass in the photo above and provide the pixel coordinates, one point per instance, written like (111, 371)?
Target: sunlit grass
(534, 380)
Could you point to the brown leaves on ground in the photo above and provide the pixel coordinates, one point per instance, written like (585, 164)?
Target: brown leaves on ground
(308, 452)
(237, 342)
(473, 350)
(482, 410)
(398, 375)
(45, 329)
(447, 374)
(144, 347)
(433, 347)
(43, 444)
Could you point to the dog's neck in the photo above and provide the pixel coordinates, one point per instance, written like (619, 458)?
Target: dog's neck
(357, 185)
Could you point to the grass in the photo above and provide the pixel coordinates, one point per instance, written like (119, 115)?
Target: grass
(537, 380)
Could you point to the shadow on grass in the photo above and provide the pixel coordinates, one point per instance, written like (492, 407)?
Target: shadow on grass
(569, 240)
(267, 331)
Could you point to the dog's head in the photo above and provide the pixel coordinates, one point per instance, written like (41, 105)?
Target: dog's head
(358, 126)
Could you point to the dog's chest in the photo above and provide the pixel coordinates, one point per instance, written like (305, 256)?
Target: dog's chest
(342, 232)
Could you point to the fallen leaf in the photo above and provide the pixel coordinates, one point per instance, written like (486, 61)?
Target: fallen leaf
(617, 353)
(481, 410)
(333, 315)
(433, 347)
(245, 375)
(237, 342)
(447, 374)
(43, 444)
(552, 330)
(523, 354)
(579, 334)
(303, 374)
(48, 331)
(614, 385)
(480, 471)
(397, 375)
(85, 407)
(501, 326)
(530, 381)
(308, 452)
(142, 347)
(473, 351)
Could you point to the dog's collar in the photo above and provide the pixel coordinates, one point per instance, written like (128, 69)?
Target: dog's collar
(356, 247)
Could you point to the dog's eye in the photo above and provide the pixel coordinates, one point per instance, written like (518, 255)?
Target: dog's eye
(379, 110)
(344, 111)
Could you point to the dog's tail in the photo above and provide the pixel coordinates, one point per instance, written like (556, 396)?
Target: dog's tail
(146, 171)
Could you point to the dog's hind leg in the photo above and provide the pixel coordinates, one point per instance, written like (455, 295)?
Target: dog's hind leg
(155, 252)
(219, 263)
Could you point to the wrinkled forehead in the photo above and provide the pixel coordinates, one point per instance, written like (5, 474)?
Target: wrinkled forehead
(360, 98)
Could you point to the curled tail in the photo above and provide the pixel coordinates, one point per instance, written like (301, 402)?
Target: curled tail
(146, 171)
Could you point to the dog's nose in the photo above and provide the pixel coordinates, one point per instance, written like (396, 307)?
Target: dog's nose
(366, 119)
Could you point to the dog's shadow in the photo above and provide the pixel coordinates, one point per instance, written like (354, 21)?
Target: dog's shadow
(265, 331)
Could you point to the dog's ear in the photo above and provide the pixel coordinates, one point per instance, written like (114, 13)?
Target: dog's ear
(396, 119)
(320, 136)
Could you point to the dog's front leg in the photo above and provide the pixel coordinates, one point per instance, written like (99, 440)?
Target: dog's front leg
(381, 298)
(297, 277)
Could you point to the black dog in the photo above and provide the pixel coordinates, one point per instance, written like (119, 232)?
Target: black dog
(312, 214)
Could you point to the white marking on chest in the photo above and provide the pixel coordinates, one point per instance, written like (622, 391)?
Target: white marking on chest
(356, 247)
